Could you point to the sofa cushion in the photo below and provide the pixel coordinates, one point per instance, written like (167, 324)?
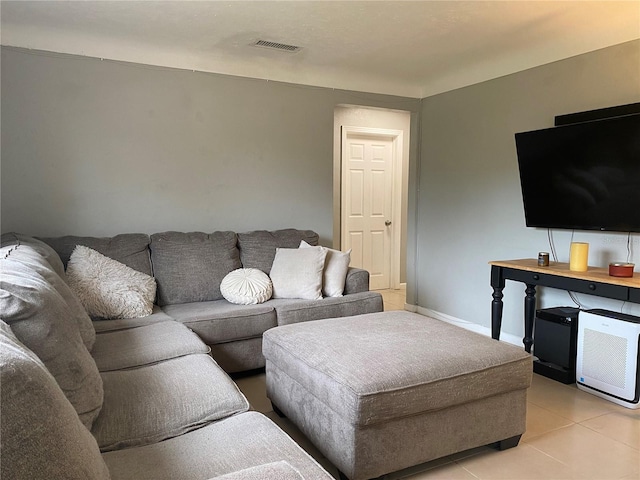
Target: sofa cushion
(189, 267)
(145, 345)
(42, 320)
(123, 323)
(258, 249)
(221, 321)
(42, 436)
(297, 273)
(334, 275)
(48, 253)
(107, 288)
(246, 286)
(155, 402)
(281, 470)
(27, 255)
(132, 249)
(240, 355)
(296, 311)
(236, 443)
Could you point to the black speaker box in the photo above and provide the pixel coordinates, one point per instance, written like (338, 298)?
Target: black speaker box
(554, 343)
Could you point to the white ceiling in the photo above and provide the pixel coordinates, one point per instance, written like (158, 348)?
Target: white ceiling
(414, 48)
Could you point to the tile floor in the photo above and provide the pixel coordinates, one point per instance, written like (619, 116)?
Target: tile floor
(393, 299)
(570, 435)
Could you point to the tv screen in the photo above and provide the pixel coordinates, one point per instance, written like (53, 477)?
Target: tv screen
(584, 176)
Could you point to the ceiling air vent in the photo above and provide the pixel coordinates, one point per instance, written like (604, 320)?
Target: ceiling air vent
(277, 46)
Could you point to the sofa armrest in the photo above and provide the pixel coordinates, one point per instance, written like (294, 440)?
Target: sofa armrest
(357, 281)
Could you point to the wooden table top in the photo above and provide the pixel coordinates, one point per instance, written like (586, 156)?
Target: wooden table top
(593, 274)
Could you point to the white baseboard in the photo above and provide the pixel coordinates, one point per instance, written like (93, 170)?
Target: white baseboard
(410, 308)
(474, 327)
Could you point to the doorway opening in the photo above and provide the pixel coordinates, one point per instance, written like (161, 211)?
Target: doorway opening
(371, 156)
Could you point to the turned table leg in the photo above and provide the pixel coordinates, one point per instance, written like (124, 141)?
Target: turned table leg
(529, 315)
(496, 313)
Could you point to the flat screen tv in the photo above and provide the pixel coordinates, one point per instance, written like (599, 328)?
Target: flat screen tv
(583, 176)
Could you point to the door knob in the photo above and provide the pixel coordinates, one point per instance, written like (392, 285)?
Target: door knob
(387, 222)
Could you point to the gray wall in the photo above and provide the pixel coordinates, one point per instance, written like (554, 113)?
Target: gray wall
(470, 208)
(93, 147)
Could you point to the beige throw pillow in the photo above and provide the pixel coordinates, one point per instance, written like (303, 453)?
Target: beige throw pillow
(297, 273)
(336, 267)
(108, 288)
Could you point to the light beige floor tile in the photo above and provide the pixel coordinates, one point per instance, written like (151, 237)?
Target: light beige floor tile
(588, 454)
(446, 471)
(393, 299)
(623, 426)
(566, 400)
(522, 462)
(388, 307)
(540, 421)
(633, 476)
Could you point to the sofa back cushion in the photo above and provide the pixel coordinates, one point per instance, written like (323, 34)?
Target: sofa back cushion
(41, 319)
(47, 252)
(25, 254)
(258, 249)
(189, 267)
(132, 249)
(42, 436)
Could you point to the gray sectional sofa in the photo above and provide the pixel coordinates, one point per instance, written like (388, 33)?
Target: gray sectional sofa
(148, 397)
(188, 268)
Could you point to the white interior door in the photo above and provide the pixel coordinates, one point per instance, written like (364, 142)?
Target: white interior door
(367, 202)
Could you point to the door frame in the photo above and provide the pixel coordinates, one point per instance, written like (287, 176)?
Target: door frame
(396, 137)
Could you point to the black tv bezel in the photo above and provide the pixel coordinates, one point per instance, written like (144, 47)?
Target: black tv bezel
(591, 116)
(599, 114)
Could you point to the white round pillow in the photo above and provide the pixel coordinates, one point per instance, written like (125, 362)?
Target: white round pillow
(246, 286)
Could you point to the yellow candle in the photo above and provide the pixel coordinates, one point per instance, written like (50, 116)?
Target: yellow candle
(579, 256)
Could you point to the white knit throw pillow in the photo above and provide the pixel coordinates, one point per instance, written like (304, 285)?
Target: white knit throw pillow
(246, 286)
(108, 288)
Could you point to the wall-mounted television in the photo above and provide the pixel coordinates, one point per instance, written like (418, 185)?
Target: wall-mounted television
(583, 176)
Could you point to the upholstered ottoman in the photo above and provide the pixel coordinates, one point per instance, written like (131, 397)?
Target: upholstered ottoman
(384, 391)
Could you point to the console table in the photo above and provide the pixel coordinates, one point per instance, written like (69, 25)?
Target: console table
(595, 281)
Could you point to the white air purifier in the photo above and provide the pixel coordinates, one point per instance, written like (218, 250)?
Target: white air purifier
(607, 356)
